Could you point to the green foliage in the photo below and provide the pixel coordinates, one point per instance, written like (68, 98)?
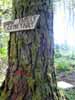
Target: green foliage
(3, 52)
(3, 45)
(63, 65)
(57, 51)
(64, 58)
(70, 94)
(65, 62)
(58, 55)
(5, 7)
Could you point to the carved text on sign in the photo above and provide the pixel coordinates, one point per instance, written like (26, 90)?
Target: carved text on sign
(26, 23)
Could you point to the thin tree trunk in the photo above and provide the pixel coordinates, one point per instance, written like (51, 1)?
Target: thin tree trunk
(31, 56)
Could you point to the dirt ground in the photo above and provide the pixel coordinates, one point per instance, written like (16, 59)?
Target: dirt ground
(68, 76)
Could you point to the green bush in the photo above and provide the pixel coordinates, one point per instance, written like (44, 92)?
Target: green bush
(3, 54)
(3, 51)
(70, 94)
(58, 55)
(63, 65)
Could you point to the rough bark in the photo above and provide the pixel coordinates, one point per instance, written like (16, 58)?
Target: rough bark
(31, 56)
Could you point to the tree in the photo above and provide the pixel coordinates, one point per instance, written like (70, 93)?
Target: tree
(5, 14)
(31, 56)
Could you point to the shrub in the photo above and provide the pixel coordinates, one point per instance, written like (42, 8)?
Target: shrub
(63, 65)
(70, 94)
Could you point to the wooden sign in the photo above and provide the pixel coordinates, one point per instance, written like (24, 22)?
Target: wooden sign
(26, 23)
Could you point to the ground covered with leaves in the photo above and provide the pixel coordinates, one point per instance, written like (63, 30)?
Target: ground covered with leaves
(68, 76)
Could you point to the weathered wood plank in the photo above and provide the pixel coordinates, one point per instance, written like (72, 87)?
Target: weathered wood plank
(26, 23)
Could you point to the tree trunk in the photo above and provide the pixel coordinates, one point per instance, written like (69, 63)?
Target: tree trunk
(31, 56)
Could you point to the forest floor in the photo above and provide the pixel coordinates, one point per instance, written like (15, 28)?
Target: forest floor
(68, 76)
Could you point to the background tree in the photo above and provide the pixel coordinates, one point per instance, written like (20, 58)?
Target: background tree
(31, 56)
(5, 14)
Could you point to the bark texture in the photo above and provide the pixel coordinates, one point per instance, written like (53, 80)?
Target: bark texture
(31, 56)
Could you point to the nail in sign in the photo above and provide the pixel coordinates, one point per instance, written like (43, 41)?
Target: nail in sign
(26, 23)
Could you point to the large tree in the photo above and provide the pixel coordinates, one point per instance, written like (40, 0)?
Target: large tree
(31, 56)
